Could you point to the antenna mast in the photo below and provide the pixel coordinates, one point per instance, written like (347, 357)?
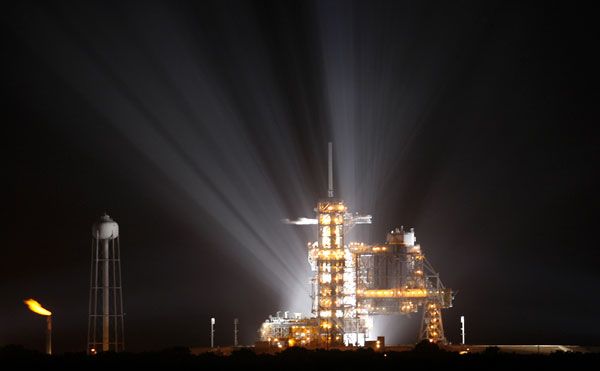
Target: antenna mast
(330, 189)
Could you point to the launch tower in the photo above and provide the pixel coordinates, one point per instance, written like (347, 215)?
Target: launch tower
(354, 281)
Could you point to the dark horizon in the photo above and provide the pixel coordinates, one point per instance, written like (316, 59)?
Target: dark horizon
(199, 126)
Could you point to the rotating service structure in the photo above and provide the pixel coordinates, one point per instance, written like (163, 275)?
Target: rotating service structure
(396, 277)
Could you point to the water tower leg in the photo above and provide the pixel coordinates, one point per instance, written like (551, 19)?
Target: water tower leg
(106, 300)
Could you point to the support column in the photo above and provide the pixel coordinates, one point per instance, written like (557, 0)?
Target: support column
(432, 327)
(49, 335)
(235, 332)
(106, 299)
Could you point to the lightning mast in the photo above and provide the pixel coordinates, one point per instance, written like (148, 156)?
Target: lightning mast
(330, 172)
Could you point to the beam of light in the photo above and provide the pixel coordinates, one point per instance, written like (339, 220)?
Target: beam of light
(382, 88)
(193, 127)
(211, 115)
(36, 307)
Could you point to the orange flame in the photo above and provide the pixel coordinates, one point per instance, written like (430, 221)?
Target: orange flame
(36, 307)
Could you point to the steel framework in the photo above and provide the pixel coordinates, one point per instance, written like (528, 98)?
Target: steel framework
(355, 281)
(105, 320)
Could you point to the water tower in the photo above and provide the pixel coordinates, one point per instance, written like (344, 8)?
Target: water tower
(105, 321)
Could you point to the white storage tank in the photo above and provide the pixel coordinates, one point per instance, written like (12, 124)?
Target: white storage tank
(105, 228)
(409, 237)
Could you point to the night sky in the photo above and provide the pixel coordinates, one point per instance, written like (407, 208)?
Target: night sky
(198, 126)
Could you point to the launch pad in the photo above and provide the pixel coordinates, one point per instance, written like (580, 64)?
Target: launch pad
(354, 281)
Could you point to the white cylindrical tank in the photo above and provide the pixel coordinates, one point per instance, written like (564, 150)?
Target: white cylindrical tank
(105, 228)
(409, 238)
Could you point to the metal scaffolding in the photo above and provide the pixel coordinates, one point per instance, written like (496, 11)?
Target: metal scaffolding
(105, 320)
(355, 281)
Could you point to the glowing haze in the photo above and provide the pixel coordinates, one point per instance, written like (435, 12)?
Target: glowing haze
(201, 125)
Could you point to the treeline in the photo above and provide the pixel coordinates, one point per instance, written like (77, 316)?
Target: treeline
(421, 357)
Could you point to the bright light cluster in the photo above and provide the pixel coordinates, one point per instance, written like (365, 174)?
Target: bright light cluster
(330, 256)
(392, 293)
(354, 281)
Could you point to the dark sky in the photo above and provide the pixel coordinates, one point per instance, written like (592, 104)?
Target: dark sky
(200, 125)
